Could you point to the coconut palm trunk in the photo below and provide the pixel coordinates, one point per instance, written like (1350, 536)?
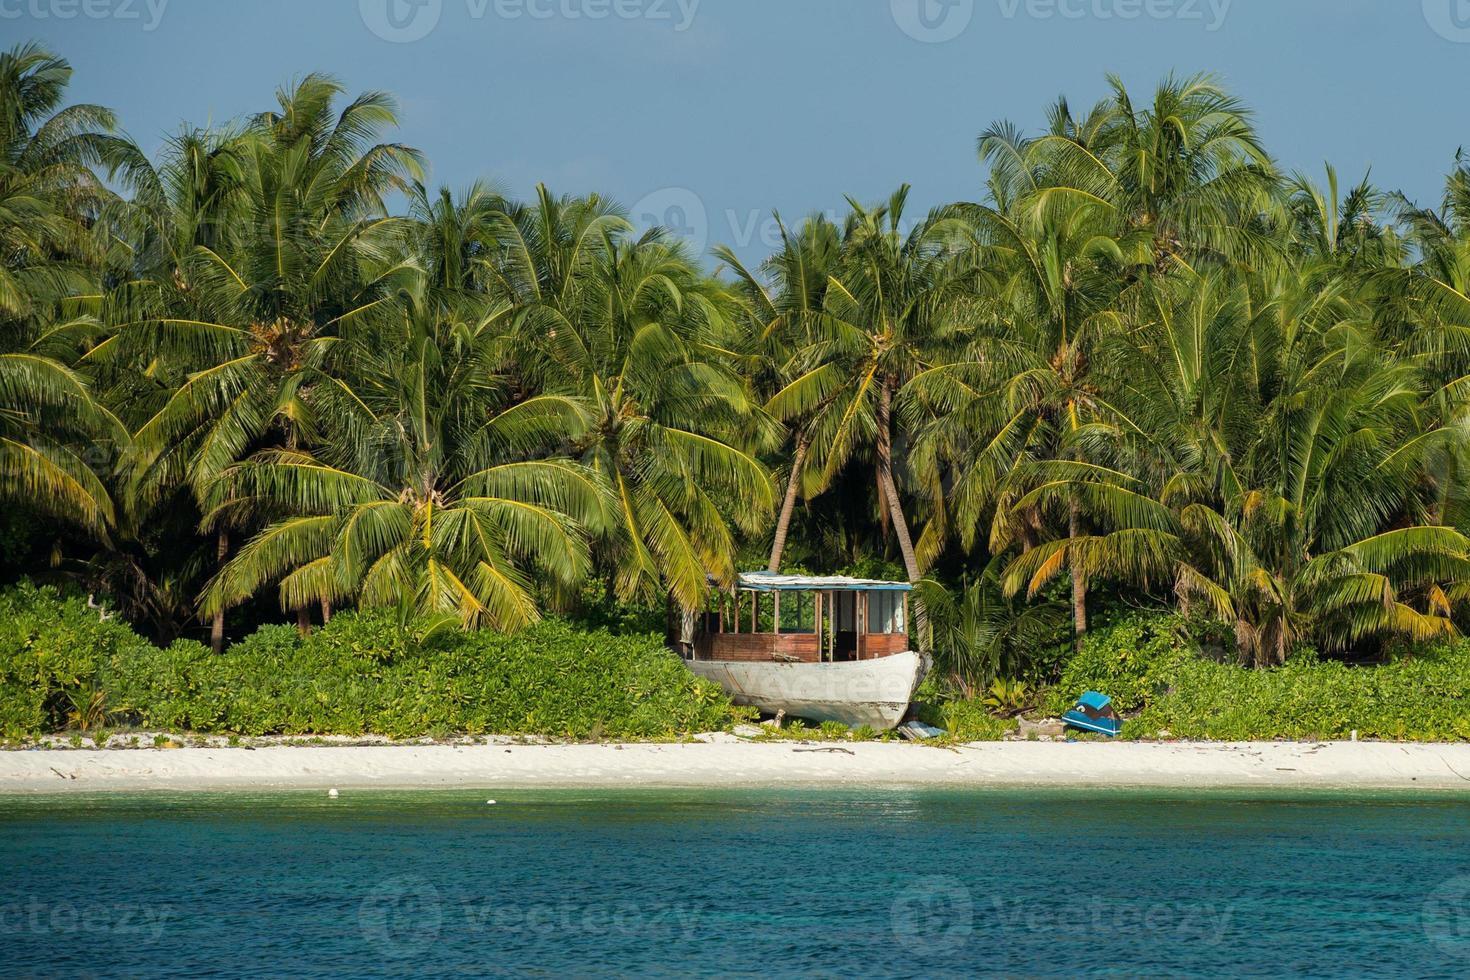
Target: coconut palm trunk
(217, 626)
(886, 485)
(1079, 581)
(1074, 526)
(889, 491)
(679, 624)
(793, 485)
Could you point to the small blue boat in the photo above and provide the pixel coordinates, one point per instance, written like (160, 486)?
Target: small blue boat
(1094, 712)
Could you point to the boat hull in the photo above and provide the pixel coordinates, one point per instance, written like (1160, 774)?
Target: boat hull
(876, 692)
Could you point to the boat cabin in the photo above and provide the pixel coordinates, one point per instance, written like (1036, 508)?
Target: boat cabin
(804, 619)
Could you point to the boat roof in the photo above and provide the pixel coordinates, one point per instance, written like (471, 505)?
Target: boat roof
(769, 582)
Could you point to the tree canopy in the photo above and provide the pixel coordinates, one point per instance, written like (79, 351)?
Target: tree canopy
(273, 368)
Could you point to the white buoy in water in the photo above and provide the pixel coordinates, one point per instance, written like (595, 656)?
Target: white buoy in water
(332, 792)
(489, 802)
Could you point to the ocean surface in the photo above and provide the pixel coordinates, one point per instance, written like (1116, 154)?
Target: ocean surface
(855, 883)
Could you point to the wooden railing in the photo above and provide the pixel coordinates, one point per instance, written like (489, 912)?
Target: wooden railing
(794, 647)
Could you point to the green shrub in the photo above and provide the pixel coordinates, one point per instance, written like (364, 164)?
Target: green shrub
(1150, 666)
(366, 673)
(971, 721)
(964, 720)
(54, 652)
(1425, 697)
(553, 680)
(600, 610)
(1132, 661)
(360, 674)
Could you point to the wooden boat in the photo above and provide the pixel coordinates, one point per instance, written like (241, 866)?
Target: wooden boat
(827, 648)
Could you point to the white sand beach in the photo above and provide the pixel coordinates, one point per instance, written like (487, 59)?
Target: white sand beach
(725, 760)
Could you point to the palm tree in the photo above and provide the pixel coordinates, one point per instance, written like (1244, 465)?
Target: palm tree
(635, 332)
(48, 197)
(437, 493)
(1259, 405)
(1054, 267)
(1343, 227)
(1365, 590)
(981, 634)
(455, 240)
(1190, 171)
(1187, 172)
(48, 419)
(885, 323)
(787, 321)
(316, 251)
(1401, 584)
(269, 246)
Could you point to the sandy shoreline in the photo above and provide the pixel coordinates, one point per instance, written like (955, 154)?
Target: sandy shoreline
(728, 761)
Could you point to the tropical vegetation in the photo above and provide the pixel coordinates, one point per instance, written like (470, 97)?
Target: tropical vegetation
(64, 668)
(271, 371)
(1175, 678)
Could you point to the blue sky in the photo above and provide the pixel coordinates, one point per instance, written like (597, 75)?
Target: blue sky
(716, 113)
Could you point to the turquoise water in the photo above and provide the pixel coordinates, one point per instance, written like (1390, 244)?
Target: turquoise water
(872, 883)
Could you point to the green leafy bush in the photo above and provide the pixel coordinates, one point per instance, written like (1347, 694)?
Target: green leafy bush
(970, 721)
(1425, 697)
(360, 674)
(367, 673)
(1153, 666)
(600, 610)
(53, 655)
(963, 719)
(1132, 661)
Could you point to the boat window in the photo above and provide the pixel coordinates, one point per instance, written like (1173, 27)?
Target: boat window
(885, 612)
(798, 612)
